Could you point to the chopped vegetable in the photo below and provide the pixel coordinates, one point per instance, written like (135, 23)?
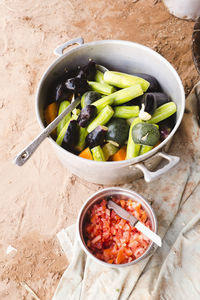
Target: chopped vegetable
(111, 238)
(126, 112)
(97, 136)
(102, 88)
(71, 136)
(98, 154)
(89, 97)
(117, 131)
(86, 153)
(119, 97)
(123, 80)
(62, 107)
(132, 148)
(109, 149)
(144, 149)
(120, 154)
(50, 114)
(102, 118)
(99, 77)
(163, 112)
(87, 114)
(145, 134)
(82, 139)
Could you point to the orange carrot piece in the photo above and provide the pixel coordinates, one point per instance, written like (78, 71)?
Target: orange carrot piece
(50, 113)
(120, 256)
(86, 153)
(120, 154)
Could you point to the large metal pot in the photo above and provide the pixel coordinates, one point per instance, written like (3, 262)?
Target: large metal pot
(127, 57)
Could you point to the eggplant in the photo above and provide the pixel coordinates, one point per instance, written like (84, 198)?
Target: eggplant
(71, 136)
(166, 126)
(97, 136)
(79, 84)
(149, 103)
(87, 114)
(154, 84)
(89, 97)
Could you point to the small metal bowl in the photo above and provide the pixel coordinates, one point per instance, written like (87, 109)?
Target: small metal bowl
(125, 194)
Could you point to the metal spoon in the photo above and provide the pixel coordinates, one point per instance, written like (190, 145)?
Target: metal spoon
(26, 153)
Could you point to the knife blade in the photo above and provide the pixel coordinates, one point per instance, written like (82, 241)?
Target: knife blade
(135, 222)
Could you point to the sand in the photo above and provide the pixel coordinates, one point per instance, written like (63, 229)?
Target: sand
(42, 197)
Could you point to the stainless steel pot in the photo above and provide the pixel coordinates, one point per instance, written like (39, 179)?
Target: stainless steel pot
(126, 57)
(125, 194)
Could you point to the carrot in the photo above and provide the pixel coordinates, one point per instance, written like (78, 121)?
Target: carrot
(50, 114)
(120, 154)
(120, 256)
(86, 154)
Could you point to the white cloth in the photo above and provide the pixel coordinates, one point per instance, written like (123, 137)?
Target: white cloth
(173, 272)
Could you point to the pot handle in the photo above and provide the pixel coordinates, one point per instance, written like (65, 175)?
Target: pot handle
(150, 175)
(59, 50)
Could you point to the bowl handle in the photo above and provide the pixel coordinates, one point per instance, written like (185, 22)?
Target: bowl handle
(59, 50)
(150, 175)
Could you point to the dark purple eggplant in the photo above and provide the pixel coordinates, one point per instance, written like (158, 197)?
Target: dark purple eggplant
(97, 136)
(89, 70)
(71, 136)
(166, 126)
(149, 103)
(87, 114)
(154, 84)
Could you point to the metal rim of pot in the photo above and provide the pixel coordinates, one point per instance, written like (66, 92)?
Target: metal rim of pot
(137, 161)
(129, 194)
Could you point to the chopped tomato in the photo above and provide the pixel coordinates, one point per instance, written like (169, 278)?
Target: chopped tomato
(111, 238)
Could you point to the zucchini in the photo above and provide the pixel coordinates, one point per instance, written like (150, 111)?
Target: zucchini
(89, 97)
(117, 133)
(126, 112)
(102, 88)
(61, 124)
(145, 134)
(132, 148)
(81, 141)
(144, 149)
(163, 112)
(98, 154)
(123, 80)
(102, 118)
(109, 149)
(119, 97)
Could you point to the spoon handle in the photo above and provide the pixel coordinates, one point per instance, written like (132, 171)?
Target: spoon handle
(26, 153)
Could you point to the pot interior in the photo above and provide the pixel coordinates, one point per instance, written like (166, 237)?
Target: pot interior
(121, 56)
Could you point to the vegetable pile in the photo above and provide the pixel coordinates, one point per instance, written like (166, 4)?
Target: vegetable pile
(111, 238)
(121, 116)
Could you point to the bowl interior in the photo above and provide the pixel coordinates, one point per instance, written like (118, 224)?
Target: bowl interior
(123, 194)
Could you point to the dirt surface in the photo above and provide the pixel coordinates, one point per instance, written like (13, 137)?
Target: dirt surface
(40, 198)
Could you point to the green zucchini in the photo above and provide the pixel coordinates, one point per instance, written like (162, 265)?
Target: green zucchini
(123, 80)
(163, 112)
(132, 148)
(98, 154)
(117, 131)
(144, 149)
(81, 142)
(109, 149)
(102, 118)
(126, 112)
(119, 97)
(102, 88)
(145, 134)
(63, 105)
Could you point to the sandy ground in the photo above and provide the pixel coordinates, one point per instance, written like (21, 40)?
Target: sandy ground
(40, 198)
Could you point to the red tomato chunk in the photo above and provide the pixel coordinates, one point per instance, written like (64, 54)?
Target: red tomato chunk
(110, 238)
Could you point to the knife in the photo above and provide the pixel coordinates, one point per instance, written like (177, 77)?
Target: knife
(135, 222)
